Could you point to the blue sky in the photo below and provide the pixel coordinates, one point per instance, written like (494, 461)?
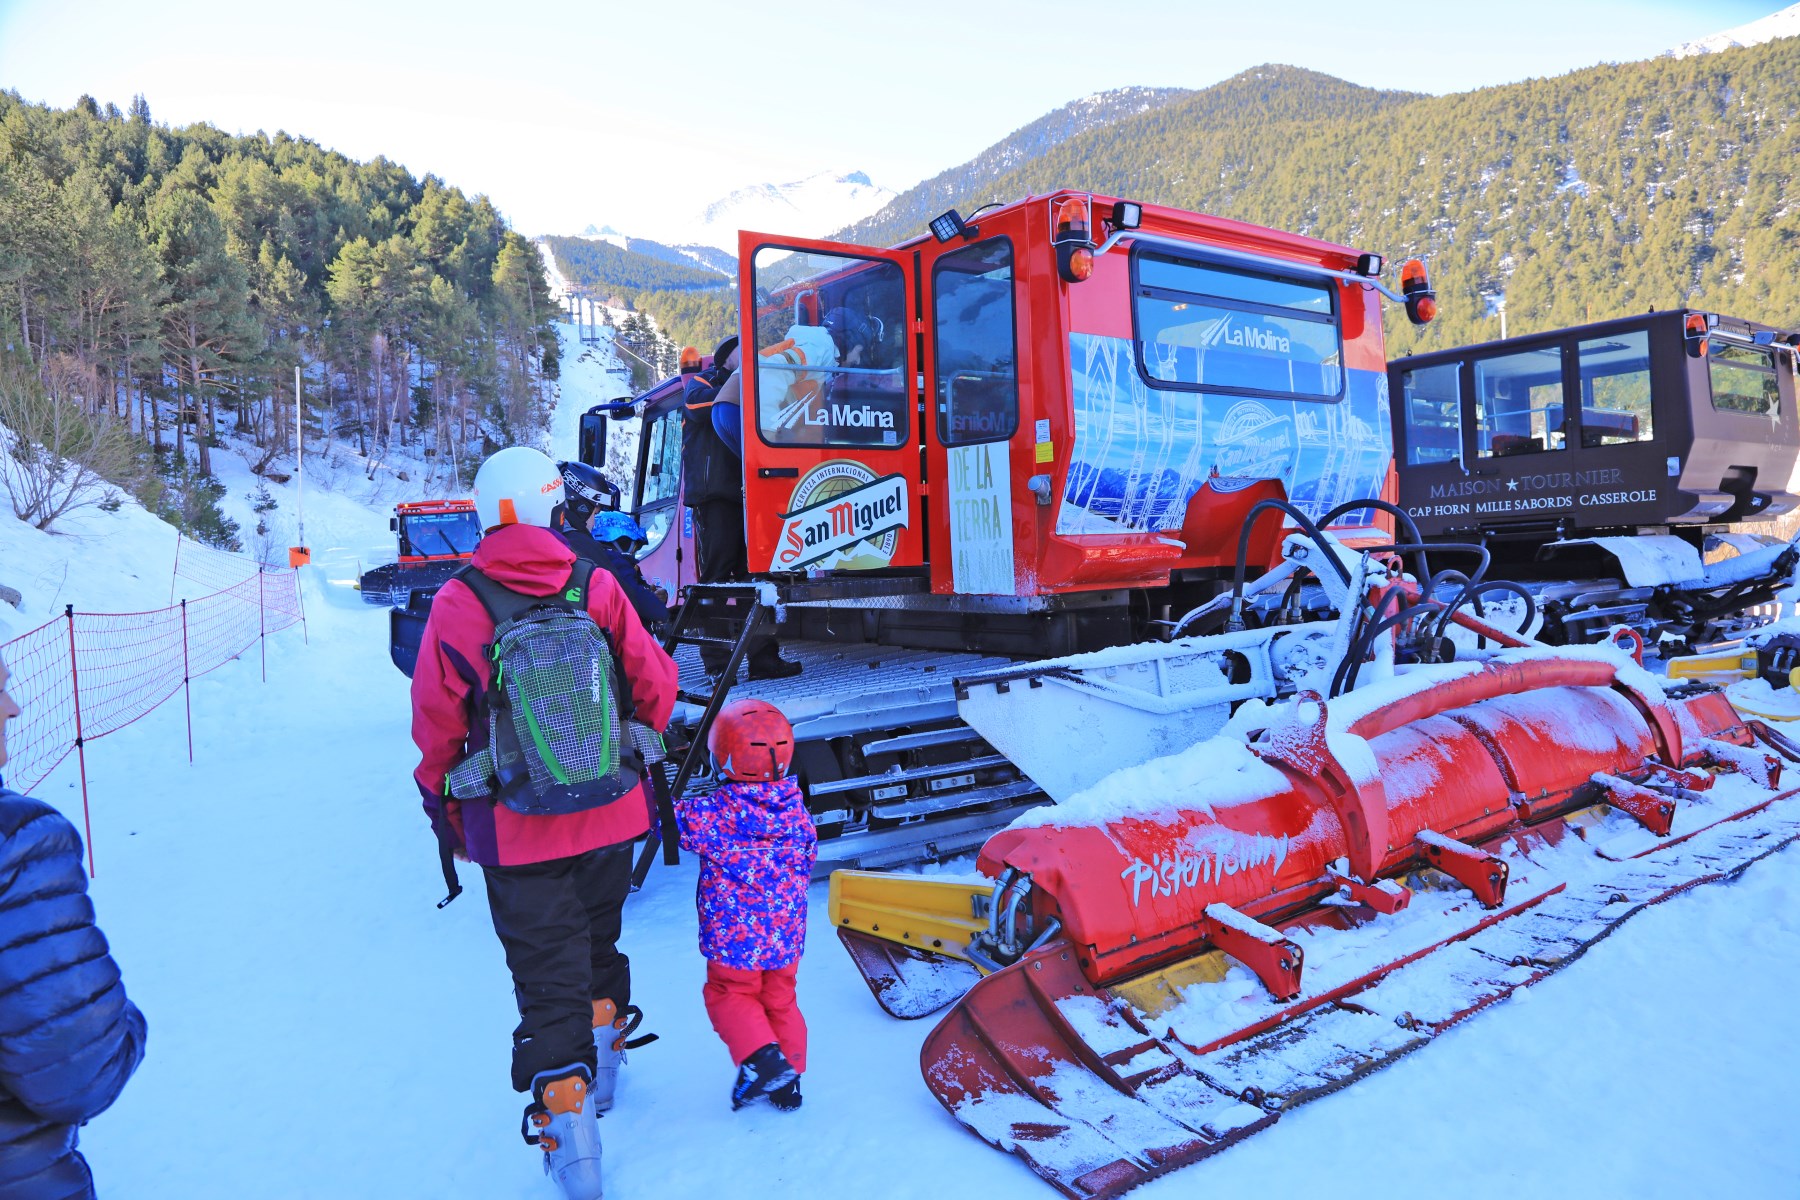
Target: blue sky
(569, 113)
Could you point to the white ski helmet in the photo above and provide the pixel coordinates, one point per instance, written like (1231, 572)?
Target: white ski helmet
(517, 486)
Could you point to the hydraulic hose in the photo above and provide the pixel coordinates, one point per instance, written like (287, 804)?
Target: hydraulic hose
(1306, 525)
(1473, 594)
(1421, 569)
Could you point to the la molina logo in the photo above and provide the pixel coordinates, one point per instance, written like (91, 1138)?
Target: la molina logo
(837, 507)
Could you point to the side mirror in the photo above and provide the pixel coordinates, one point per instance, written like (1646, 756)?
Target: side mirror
(592, 439)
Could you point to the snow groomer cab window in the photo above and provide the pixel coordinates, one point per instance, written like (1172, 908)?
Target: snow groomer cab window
(830, 384)
(1519, 403)
(1432, 403)
(1743, 380)
(830, 354)
(1225, 330)
(977, 373)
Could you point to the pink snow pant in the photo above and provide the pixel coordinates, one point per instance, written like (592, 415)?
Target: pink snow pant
(750, 1009)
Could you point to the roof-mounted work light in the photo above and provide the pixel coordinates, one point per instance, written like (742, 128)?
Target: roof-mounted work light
(947, 226)
(1369, 265)
(1127, 214)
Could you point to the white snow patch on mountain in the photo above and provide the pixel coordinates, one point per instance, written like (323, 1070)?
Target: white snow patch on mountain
(810, 207)
(1785, 23)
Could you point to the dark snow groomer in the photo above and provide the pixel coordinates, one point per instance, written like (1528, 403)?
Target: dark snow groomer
(532, 668)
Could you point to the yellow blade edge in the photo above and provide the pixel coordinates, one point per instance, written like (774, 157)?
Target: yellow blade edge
(938, 916)
(1714, 668)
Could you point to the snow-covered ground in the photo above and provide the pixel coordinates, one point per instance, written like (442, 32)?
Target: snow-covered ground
(319, 1029)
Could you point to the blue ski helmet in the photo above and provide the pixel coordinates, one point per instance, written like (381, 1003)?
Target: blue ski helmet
(613, 526)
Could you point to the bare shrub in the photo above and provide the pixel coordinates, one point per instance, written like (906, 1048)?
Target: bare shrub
(61, 457)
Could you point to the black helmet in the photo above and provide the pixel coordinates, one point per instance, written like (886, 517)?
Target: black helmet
(586, 490)
(851, 329)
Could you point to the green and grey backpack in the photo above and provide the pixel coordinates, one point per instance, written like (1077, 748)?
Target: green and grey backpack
(555, 705)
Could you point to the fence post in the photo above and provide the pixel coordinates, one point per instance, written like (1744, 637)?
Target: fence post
(87, 821)
(176, 573)
(186, 691)
(262, 623)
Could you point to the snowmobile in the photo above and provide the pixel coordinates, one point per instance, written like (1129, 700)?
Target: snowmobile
(1285, 856)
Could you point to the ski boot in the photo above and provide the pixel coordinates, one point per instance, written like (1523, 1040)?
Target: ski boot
(561, 1120)
(787, 1099)
(612, 1038)
(764, 1072)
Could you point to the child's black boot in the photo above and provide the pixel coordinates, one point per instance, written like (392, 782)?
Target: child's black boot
(787, 1099)
(763, 1072)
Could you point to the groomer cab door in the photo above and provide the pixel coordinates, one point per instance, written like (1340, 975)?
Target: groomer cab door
(830, 395)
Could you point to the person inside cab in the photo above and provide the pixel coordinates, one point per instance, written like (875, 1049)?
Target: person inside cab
(712, 485)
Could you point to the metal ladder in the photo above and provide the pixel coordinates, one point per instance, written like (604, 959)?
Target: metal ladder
(703, 607)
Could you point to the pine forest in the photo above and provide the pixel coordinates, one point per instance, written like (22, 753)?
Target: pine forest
(159, 287)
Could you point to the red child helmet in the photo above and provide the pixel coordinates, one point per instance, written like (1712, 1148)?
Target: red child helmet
(751, 741)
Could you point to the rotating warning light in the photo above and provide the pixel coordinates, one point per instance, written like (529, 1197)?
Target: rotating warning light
(1074, 218)
(947, 226)
(1695, 325)
(1072, 239)
(1415, 285)
(1127, 214)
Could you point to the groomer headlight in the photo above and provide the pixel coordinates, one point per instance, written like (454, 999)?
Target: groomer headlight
(947, 226)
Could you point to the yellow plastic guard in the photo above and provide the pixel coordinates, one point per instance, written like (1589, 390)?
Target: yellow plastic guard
(1714, 668)
(1158, 991)
(935, 915)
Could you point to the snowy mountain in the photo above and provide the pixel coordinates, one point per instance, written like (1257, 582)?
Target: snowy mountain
(605, 233)
(1785, 23)
(810, 207)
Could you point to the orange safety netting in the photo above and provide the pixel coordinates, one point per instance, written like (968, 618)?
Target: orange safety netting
(85, 675)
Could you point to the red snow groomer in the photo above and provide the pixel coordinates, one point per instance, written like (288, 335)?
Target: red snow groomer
(1034, 435)
(1283, 857)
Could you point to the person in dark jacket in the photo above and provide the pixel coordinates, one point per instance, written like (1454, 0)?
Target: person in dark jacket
(712, 485)
(609, 538)
(69, 1039)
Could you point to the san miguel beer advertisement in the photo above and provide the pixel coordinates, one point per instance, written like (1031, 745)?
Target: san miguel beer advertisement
(842, 517)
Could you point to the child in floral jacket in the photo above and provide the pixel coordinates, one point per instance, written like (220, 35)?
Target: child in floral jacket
(757, 845)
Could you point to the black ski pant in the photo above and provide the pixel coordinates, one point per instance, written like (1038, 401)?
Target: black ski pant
(559, 922)
(721, 557)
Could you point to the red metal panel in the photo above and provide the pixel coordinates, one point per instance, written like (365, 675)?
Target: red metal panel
(780, 481)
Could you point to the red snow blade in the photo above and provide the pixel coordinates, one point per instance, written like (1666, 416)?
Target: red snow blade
(908, 983)
(1095, 1111)
(1098, 1095)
